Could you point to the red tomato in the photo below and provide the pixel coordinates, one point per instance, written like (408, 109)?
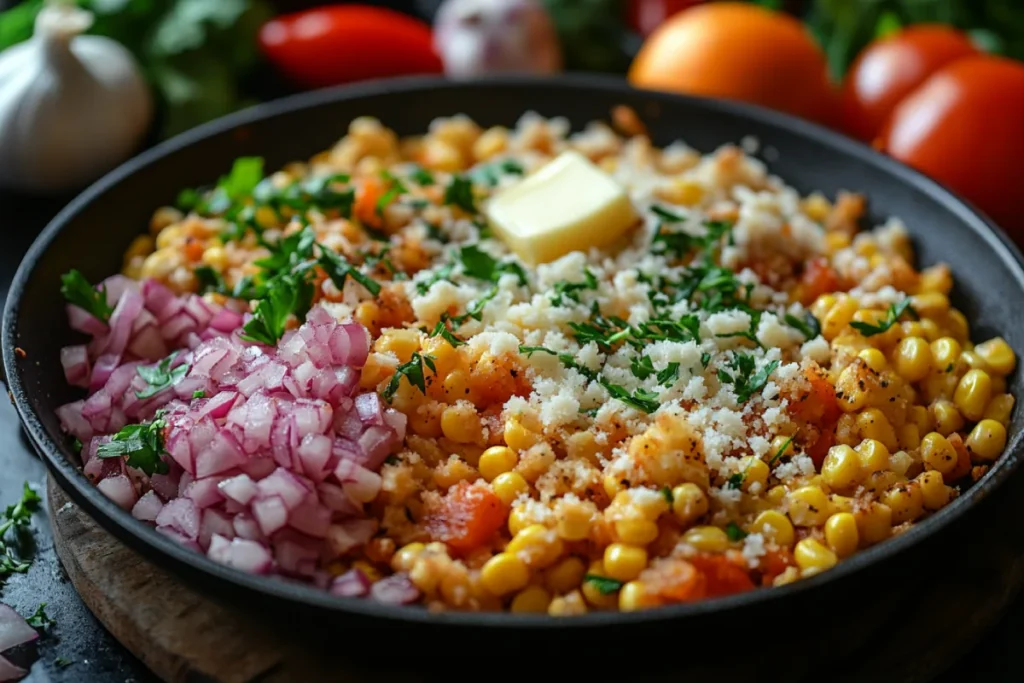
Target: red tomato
(819, 278)
(722, 577)
(964, 127)
(345, 43)
(889, 69)
(467, 517)
(646, 15)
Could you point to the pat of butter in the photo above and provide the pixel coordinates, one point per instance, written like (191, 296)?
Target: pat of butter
(567, 205)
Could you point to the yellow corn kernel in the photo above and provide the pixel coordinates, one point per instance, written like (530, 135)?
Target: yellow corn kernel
(937, 453)
(973, 394)
(920, 416)
(912, 328)
(871, 316)
(593, 595)
(503, 574)
(782, 446)
(998, 355)
(945, 353)
(567, 605)
(405, 558)
(987, 440)
(838, 317)
(491, 142)
(972, 360)
(841, 468)
(873, 424)
(1000, 409)
(938, 385)
(874, 523)
(518, 520)
(574, 521)
(518, 437)
(774, 526)
(684, 192)
(633, 596)
(817, 207)
(636, 531)
(912, 359)
(367, 313)
(848, 384)
(531, 600)
(874, 455)
(998, 384)
(495, 461)
(906, 502)
(841, 534)
(689, 503)
(840, 503)
(931, 329)
(934, 493)
(402, 343)
(937, 278)
(565, 575)
(882, 480)
(426, 574)
(446, 357)
(930, 304)
(909, 436)
(160, 264)
(537, 545)
(755, 471)
(508, 486)
(788, 576)
(808, 506)
(456, 386)
(813, 557)
(874, 359)
(461, 424)
(946, 417)
(624, 562)
(709, 539)
(822, 305)
(956, 325)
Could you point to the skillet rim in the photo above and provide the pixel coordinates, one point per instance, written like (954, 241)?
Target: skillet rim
(129, 530)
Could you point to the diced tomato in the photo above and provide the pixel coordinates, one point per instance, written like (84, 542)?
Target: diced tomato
(819, 449)
(963, 459)
(819, 278)
(773, 563)
(721, 575)
(675, 581)
(367, 196)
(819, 405)
(467, 518)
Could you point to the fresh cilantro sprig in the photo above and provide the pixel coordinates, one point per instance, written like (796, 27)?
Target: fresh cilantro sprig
(479, 264)
(93, 300)
(338, 269)
(745, 379)
(605, 585)
(16, 518)
(413, 373)
(286, 294)
(459, 192)
(442, 330)
(490, 174)
(140, 444)
(161, 376)
(808, 325)
(891, 318)
(422, 177)
(571, 290)
(734, 532)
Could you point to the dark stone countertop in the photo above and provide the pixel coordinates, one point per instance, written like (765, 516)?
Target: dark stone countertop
(94, 654)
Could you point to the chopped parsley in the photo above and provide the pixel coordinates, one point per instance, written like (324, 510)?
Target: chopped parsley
(705, 358)
(16, 518)
(892, 316)
(744, 380)
(413, 372)
(666, 215)
(210, 280)
(479, 264)
(681, 244)
(198, 393)
(62, 663)
(669, 375)
(442, 330)
(40, 620)
(605, 585)
(435, 233)
(570, 290)
(337, 268)
(666, 493)
(641, 366)
(442, 273)
(141, 445)
(285, 294)
(161, 376)
(76, 444)
(395, 189)
(734, 532)
(490, 174)
(422, 176)
(460, 193)
(808, 325)
(751, 332)
(77, 290)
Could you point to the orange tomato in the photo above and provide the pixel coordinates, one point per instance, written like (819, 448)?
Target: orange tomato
(964, 126)
(818, 278)
(742, 52)
(721, 576)
(370, 191)
(890, 69)
(468, 516)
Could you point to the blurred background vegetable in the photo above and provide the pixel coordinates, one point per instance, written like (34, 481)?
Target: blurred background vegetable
(480, 37)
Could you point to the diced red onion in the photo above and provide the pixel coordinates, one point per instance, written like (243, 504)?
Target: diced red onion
(282, 484)
(247, 527)
(127, 309)
(350, 534)
(75, 361)
(240, 553)
(120, 490)
(396, 589)
(73, 422)
(270, 513)
(311, 518)
(222, 454)
(351, 584)
(82, 321)
(175, 535)
(182, 515)
(376, 444)
(361, 485)
(240, 488)
(214, 522)
(148, 507)
(205, 492)
(314, 452)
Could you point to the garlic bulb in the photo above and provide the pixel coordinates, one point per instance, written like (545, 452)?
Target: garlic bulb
(480, 37)
(71, 106)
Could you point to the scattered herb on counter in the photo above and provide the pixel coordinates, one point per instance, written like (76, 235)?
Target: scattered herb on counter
(40, 620)
(140, 444)
(892, 316)
(78, 292)
(413, 372)
(161, 376)
(62, 663)
(16, 519)
(605, 585)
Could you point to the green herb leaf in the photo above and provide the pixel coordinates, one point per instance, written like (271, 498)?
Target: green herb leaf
(198, 393)
(442, 273)
(570, 290)
(666, 493)
(892, 316)
(780, 452)
(460, 193)
(40, 620)
(442, 330)
(734, 532)
(605, 585)
(735, 481)
(141, 445)
(490, 174)
(746, 382)
(669, 375)
(161, 376)
(641, 366)
(210, 281)
(395, 189)
(77, 290)
(62, 663)
(285, 295)
(246, 173)
(413, 372)
(422, 176)
(337, 268)
(808, 326)
(705, 359)
(481, 265)
(435, 233)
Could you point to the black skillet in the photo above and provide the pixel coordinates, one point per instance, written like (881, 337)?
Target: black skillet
(899, 611)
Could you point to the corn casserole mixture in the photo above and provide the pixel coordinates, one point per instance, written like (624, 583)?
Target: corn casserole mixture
(736, 389)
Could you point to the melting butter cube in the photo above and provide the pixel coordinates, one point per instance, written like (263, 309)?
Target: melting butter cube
(567, 205)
